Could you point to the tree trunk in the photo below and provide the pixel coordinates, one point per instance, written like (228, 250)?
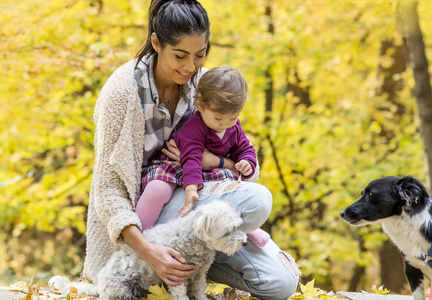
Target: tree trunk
(392, 275)
(419, 64)
(302, 93)
(392, 268)
(269, 79)
(359, 270)
(391, 84)
(268, 91)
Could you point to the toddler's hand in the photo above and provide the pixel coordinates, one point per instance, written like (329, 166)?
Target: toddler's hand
(191, 198)
(243, 167)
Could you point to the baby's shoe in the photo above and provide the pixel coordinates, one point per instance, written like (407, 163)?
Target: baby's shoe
(259, 237)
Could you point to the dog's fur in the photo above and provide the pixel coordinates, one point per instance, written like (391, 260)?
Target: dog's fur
(404, 209)
(209, 228)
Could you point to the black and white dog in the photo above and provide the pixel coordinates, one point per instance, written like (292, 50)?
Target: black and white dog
(404, 209)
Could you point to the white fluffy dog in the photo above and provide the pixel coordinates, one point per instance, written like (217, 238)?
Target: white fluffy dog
(209, 228)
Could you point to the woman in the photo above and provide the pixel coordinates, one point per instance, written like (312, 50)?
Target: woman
(140, 106)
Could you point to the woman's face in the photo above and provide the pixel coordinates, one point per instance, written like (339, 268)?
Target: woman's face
(178, 63)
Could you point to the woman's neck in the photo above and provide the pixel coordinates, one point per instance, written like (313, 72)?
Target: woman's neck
(164, 87)
(168, 91)
(163, 84)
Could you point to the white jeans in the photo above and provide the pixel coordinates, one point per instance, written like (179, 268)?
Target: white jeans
(265, 272)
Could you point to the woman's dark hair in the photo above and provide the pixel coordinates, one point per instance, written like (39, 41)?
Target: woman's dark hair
(171, 20)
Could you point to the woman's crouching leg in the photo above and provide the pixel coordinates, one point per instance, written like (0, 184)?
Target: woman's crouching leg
(265, 272)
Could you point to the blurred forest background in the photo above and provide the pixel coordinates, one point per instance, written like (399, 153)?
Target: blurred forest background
(332, 106)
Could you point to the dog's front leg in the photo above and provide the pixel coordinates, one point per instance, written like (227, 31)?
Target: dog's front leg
(178, 292)
(415, 279)
(197, 284)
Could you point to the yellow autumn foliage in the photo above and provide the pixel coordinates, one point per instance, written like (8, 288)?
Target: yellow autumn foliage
(326, 132)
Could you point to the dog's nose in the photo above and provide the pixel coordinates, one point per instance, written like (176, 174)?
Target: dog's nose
(244, 243)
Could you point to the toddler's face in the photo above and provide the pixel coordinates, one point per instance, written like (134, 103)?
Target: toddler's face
(218, 122)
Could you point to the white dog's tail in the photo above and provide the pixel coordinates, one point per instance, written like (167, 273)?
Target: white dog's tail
(63, 285)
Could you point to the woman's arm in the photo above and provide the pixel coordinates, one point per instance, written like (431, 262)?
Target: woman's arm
(112, 201)
(210, 161)
(229, 164)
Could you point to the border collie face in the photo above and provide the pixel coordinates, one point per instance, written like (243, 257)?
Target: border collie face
(386, 197)
(404, 209)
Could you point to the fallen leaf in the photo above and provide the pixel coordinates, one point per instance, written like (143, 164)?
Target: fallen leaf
(381, 290)
(158, 293)
(309, 289)
(213, 289)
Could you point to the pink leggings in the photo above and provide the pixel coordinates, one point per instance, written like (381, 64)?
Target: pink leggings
(156, 194)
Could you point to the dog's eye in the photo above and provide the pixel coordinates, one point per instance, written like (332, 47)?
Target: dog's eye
(370, 193)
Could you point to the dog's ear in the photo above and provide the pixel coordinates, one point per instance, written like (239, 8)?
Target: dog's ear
(411, 191)
(202, 225)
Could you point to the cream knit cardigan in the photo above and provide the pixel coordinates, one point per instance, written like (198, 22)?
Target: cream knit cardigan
(115, 188)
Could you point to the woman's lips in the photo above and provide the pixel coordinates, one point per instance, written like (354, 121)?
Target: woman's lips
(184, 74)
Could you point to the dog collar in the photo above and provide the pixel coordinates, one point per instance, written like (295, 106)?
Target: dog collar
(427, 258)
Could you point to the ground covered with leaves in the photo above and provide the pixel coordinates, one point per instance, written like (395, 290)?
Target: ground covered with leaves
(31, 291)
(214, 291)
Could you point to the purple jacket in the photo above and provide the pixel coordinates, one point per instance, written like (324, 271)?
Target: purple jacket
(194, 136)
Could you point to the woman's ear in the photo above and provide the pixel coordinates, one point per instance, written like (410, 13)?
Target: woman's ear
(155, 42)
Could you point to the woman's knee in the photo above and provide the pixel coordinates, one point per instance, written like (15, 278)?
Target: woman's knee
(283, 292)
(257, 207)
(281, 288)
(281, 282)
(262, 198)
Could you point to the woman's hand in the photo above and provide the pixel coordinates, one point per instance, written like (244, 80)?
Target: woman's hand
(168, 263)
(172, 151)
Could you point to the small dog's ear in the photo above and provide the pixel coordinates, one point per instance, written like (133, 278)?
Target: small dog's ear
(411, 191)
(202, 226)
